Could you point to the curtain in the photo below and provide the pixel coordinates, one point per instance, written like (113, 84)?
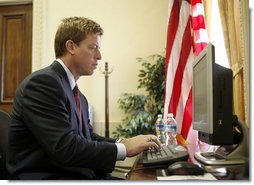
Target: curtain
(245, 33)
(227, 15)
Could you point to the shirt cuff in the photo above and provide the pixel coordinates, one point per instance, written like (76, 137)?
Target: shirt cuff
(121, 152)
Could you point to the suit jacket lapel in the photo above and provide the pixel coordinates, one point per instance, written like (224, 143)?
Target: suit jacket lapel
(85, 117)
(60, 70)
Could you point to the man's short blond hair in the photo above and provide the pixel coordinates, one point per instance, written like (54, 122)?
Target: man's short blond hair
(75, 29)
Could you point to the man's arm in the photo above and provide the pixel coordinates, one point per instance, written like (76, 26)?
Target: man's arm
(45, 112)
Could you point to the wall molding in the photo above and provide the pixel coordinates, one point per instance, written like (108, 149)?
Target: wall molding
(14, 2)
(39, 33)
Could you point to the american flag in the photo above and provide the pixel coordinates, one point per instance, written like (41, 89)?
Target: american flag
(186, 36)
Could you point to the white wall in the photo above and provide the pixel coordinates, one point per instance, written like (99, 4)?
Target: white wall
(132, 28)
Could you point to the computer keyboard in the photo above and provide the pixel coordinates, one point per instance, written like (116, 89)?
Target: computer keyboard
(165, 156)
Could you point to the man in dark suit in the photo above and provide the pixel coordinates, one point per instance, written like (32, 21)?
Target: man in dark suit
(50, 135)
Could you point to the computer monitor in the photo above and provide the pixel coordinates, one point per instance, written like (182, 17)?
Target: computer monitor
(213, 110)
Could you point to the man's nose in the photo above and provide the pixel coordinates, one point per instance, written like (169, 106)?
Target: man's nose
(98, 55)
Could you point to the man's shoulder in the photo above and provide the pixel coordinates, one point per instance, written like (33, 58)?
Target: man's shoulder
(46, 74)
(54, 70)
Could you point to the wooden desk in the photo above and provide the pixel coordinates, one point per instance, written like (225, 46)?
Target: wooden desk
(231, 172)
(138, 172)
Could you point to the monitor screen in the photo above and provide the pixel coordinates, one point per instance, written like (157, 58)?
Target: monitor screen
(212, 99)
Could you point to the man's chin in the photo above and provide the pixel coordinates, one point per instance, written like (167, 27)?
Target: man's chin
(91, 72)
(88, 73)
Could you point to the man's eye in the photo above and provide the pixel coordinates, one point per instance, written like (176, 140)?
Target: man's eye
(93, 47)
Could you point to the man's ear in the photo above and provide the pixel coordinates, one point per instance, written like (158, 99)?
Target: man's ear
(70, 46)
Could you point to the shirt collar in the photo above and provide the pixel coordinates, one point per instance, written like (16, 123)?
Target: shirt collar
(69, 74)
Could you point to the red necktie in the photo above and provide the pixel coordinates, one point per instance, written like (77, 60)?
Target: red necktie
(78, 103)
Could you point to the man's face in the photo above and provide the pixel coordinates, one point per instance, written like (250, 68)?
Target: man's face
(87, 54)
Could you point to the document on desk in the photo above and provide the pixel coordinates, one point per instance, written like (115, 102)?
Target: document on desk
(206, 176)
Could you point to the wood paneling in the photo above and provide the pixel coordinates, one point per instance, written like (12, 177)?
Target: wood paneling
(15, 50)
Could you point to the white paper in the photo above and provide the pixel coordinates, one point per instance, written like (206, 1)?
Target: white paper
(206, 176)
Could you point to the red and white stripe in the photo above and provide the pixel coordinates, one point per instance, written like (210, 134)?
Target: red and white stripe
(199, 25)
(179, 59)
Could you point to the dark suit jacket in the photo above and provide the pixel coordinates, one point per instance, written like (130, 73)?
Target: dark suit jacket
(44, 139)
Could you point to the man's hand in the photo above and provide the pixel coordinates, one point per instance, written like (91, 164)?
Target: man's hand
(138, 144)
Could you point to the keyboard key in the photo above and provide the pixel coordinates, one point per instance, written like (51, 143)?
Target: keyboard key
(165, 156)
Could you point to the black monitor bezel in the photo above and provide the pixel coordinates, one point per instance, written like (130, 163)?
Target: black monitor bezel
(219, 99)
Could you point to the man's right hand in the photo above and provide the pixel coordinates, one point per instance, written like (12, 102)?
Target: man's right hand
(138, 144)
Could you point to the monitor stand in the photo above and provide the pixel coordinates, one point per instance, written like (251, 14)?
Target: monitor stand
(228, 154)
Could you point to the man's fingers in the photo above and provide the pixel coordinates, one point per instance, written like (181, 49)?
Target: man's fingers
(154, 143)
(154, 139)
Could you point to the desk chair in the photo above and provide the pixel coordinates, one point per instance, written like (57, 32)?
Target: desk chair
(5, 121)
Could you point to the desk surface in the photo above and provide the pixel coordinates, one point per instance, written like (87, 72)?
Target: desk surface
(138, 172)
